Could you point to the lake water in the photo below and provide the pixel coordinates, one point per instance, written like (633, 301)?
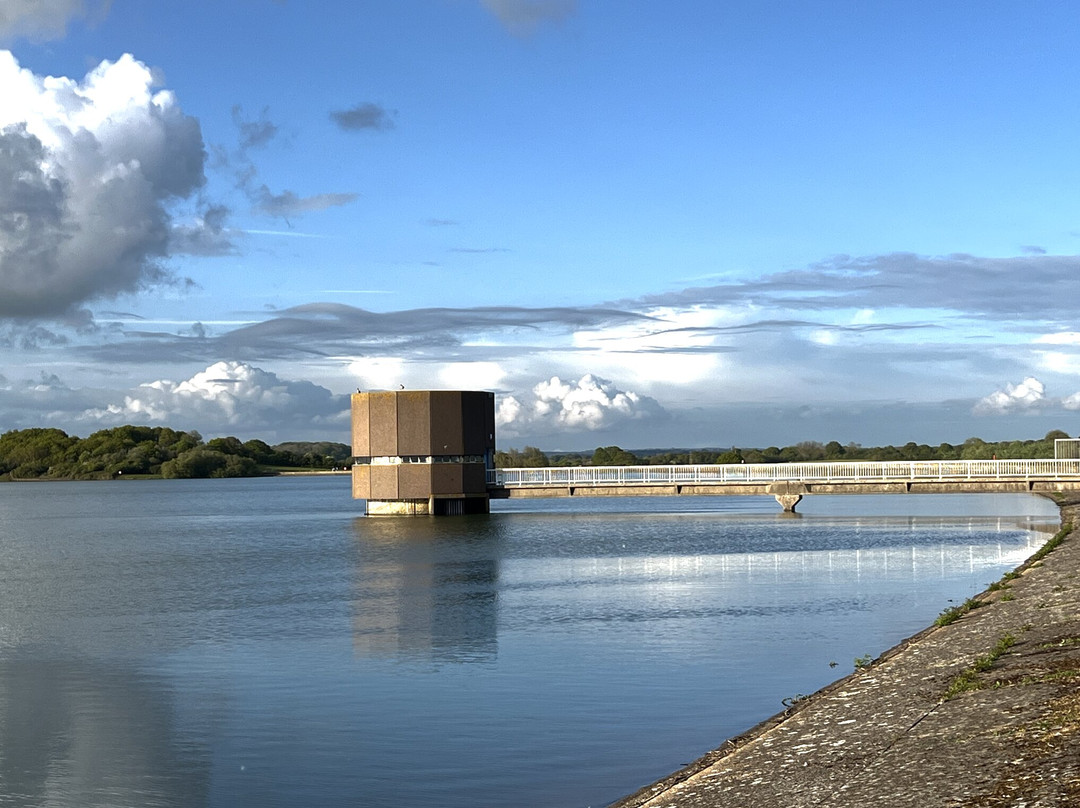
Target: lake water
(261, 643)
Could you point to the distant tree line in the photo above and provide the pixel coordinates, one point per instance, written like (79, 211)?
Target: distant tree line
(806, 451)
(52, 454)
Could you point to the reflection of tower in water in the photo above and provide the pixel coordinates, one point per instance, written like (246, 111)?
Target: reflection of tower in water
(425, 588)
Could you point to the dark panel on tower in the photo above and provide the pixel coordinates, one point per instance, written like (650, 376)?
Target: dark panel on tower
(478, 424)
(446, 437)
(446, 479)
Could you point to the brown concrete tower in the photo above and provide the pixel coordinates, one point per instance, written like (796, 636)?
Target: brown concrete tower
(418, 452)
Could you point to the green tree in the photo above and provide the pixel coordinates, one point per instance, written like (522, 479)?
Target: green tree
(732, 455)
(28, 453)
(227, 445)
(529, 457)
(614, 456)
(260, 452)
(976, 449)
(203, 462)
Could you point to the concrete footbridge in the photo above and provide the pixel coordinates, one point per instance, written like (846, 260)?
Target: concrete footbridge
(789, 482)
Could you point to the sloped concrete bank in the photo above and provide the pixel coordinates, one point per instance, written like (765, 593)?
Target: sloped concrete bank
(983, 711)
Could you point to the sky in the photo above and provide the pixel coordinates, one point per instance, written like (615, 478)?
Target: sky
(701, 223)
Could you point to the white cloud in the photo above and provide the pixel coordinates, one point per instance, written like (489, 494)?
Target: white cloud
(1059, 338)
(472, 375)
(231, 396)
(88, 171)
(378, 373)
(824, 336)
(1027, 395)
(669, 348)
(585, 405)
(1060, 362)
(1071, 402)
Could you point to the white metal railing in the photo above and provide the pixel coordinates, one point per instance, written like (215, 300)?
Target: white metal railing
(837, 472)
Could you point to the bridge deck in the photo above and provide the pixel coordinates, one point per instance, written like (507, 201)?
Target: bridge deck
(790, 479)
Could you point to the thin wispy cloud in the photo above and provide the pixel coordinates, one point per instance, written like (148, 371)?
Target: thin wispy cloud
(285, 233)
(323, 329)
(362, 117)
(287, 204)
(525, 16)
(42, 20)
(974, 286)
(255, 134)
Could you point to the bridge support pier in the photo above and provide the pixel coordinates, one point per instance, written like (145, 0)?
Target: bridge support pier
(788, 501)
(788, 494)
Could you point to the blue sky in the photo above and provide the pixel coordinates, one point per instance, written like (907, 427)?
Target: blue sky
(651, 224)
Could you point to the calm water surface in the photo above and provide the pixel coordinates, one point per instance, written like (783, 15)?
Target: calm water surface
(261, 643)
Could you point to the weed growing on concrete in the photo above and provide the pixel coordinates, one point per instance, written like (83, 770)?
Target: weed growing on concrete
(1061, 676)
(968, 679)
(863, 661)
(954, 613)
(1053, 542)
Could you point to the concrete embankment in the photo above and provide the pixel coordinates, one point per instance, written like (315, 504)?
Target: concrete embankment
(983, 711)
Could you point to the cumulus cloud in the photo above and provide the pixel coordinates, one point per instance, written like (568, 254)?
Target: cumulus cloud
(1027, 395)
(523, 16)
(43, 19)
(229, 396)
(366, 116)
(88, 171)
(586, 405)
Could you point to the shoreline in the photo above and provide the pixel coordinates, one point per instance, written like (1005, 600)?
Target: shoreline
(982, 711)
